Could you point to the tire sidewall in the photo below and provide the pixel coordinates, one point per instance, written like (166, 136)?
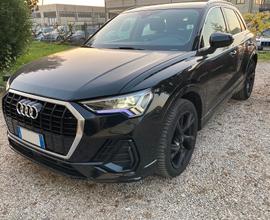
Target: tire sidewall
(252, 65)
(170, 122)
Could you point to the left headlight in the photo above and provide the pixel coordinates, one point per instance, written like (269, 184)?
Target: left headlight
(132, 105)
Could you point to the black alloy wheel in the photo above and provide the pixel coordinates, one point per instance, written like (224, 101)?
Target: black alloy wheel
(178, 139)
(250, 79)
(247, 89)
(183, 140)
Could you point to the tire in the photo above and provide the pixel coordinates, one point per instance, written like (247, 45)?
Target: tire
(58, 38)
(260, 48)
(172, 138)
(247, 89)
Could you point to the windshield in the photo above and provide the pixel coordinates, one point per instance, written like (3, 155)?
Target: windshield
(171, 29)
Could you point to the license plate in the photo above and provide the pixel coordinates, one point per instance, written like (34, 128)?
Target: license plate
(31, 137)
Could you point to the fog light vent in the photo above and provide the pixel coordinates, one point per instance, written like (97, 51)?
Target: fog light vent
(120, 156)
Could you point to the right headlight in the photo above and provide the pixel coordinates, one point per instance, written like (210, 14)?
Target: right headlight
(132, 105)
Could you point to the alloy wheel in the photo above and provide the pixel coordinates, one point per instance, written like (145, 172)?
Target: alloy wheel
(183, 140)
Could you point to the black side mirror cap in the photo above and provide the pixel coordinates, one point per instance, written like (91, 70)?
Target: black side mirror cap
(218, 40)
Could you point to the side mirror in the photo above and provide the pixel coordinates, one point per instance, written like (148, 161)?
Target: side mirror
(218, 40)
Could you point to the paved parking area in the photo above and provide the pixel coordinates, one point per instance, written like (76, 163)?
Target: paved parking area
(229, 177)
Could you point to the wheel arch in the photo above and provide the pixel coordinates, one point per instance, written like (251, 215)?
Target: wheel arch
(254, 57)
(192, 94)
(196, 100)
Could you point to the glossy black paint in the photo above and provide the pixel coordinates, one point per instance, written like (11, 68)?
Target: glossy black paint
(206, 79)
(218, 40)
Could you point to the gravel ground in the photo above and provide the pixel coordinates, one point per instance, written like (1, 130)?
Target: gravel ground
(228, 178)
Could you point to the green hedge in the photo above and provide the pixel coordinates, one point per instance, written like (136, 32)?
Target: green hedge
(15, 30)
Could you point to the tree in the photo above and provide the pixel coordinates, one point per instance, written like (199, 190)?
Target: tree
(258, 22)
(32, 4)
(15, 30)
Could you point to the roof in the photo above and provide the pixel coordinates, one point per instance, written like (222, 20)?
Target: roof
(69, 5)
(179, 5)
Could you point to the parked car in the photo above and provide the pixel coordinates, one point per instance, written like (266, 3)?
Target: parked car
(52, 36)
(41, 33)
(57, 34)
(79, 37)
(130, 102)
(91, 30)
(263, 41)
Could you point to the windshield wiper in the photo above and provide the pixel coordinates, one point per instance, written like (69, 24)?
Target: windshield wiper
(128, 48)
(121, 48)
(86, 45)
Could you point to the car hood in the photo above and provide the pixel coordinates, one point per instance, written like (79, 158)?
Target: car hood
(262, 38)
(85, 73)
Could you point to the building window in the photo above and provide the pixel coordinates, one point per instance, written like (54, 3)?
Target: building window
(51, 14)
(238, 2)
(37, 15)
(67, 14)
(102, 15)
(85, 14)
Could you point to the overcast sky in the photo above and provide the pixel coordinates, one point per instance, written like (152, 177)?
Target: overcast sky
(74, 2)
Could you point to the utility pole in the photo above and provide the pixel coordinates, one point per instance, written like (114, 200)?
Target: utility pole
(106, 11)
(42, 2)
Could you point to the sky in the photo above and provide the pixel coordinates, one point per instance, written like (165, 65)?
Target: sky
(74, 2)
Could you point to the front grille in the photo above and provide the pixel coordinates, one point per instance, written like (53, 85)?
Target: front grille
(265, 44)
(55, 122)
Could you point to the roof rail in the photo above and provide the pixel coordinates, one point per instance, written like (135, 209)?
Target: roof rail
(219, 1)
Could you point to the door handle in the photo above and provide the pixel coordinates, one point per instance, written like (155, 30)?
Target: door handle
(233, 53)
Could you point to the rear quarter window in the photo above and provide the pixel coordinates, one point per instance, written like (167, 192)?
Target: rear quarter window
(242, 23)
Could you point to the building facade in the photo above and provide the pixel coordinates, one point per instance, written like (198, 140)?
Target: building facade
(114, 7)
(265, 5)
(59, 14)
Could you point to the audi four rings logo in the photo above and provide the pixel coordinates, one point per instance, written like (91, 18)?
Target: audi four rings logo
(28, 108)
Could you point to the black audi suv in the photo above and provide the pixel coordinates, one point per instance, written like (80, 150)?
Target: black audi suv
(129, 103)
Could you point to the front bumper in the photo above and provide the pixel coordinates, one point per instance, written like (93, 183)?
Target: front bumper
(111, 148)
(95, 171)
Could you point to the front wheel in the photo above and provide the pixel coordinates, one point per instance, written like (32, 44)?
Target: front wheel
(178, 139)
(247, 89)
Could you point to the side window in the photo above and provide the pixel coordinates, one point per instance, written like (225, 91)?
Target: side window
(213, 23)
(233, 22)
(243, 26)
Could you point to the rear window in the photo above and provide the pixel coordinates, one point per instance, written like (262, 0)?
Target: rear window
(266, 33)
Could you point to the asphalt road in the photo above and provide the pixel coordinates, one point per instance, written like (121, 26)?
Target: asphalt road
(228, 178)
